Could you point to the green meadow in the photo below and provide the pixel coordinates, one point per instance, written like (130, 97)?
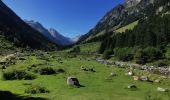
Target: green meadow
(95, 85)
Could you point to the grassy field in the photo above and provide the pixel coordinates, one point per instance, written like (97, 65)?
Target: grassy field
(90, 47)
(97, 85)
(129, 27)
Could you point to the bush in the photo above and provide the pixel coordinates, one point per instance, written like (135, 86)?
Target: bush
(167, 54)
(17, 75)
(75, 49)
(124, 54)
(140, 57)
(161, 63)
(48, 71)
(35, 89)
(148, 54)
(107, 53)
(152, 53)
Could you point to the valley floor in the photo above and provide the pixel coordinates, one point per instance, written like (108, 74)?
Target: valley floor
(96, 85)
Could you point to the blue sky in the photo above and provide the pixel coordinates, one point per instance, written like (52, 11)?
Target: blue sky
(69, 17)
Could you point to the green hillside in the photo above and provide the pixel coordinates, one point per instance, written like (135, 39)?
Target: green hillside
(127, 27)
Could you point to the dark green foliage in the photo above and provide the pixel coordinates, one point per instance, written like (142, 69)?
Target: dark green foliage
(17, 75)
(35, 89)
(167, 55)
(148, 54)
(153, 31)
(140, 57)
(48, 71)
(6, 95)
(124, 54)
(107, 54)
(161, 63)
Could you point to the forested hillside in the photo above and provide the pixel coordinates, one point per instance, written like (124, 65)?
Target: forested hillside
(125, 14)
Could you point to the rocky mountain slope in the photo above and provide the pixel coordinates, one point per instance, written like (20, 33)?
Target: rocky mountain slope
(51, 34)
(128, 12)
(18, 32)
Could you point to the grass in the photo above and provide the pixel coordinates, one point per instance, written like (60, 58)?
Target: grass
(97, 86)
(129, 27)
(91, 47)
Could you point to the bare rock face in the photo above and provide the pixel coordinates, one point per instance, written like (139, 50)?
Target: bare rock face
(73, 81)
(131, 3)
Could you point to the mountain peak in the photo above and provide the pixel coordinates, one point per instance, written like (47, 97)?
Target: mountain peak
(52, 34)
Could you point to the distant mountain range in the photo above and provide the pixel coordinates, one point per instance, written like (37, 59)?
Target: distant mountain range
(51, 33)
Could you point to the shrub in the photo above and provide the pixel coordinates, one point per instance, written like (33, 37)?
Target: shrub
(148, 54)
(35, 89)
(48, 71)
(167, 54)
(161, 63)
(107, 53)
(152, 53)
(17, 75)
(140, 57)
(124, 54)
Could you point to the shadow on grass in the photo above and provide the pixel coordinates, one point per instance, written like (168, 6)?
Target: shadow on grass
(6, 95)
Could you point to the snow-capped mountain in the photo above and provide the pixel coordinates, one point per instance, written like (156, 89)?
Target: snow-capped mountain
(51, 34)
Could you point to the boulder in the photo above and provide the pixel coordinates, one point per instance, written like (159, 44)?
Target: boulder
(157, 81)
(73, 81)
(136, 78)
(144, 78)
(132, 86)
(83, 68)
(162, 89)
(130, 73)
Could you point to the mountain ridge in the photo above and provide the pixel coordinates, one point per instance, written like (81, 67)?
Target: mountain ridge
(124, 14)
(51, 33)
(18, 32)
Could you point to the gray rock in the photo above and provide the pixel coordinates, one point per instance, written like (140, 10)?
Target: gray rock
(157, 81)
(162, 89)
(130, 73)
(144, 78)
(73, 81)
(132, 86)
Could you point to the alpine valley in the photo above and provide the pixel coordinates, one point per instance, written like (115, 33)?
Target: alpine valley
(125, 56)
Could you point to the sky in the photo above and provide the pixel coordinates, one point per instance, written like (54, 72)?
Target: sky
(69, 17)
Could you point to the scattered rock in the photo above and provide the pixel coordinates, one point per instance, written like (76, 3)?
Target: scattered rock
(87, 69)
(73, 81)
(157, 81)
(132, 86)
(113, 74)
(83, 68)
(129, 73)
(162, 89)
(136, 78)
(144, 78)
